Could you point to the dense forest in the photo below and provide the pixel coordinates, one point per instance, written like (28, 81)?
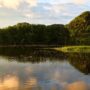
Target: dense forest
(79, 29)
(28, 34)
(77, 32)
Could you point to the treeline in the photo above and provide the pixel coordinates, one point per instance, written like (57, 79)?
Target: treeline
(30, 34)
(80, 29)
(77, 32)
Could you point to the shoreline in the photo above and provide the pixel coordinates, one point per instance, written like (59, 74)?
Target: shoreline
(38, 46)
(76, 49)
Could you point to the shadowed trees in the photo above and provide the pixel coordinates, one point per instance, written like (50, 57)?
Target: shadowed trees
(77, 32)
(28, 34)
(80, 29)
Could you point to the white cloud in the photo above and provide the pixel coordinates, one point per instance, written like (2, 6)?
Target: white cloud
(57, 8)
(10, 3)
(29, 15)
(37, 11)
(0, 6)
(14, 4)
(79, 1)
(32, 2)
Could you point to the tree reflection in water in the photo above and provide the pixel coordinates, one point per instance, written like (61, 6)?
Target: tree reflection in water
(80, 61)
(21, 69)
(33, 55)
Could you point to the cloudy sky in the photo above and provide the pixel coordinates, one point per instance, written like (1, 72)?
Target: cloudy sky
(40, 11)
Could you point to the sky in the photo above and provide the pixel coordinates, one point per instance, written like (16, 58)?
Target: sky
(41, 11)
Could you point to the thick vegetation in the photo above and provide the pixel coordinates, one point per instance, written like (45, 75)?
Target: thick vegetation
(28, 34)
(77, 32)
(80, 29)
(85, 49)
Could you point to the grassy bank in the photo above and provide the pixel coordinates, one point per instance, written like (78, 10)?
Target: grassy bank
(85, 49)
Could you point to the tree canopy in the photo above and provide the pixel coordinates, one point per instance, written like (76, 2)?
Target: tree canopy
(80, 29)
(28, 34)
(77, 32)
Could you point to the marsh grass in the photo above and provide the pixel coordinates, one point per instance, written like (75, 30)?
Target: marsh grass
(85, 49)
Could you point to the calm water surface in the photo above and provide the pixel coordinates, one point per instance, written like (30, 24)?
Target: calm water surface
(26, 69)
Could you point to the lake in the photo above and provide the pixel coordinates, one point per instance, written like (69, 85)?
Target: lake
(40, 69)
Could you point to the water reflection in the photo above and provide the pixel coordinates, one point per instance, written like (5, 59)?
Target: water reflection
(80, 61)
(80, 85)
(36, 69)
(31, 54)
(9, 83)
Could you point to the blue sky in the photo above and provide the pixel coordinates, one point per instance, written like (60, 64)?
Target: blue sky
(41, 11)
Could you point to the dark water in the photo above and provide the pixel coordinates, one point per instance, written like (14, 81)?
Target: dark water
(37, 69)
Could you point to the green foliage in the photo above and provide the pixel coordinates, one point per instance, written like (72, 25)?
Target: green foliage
(29, 34)
(69, 49)
(80, 29)
(57, 34)
(77, 32)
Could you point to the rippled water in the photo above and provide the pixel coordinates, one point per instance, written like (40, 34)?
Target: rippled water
(26, 69)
